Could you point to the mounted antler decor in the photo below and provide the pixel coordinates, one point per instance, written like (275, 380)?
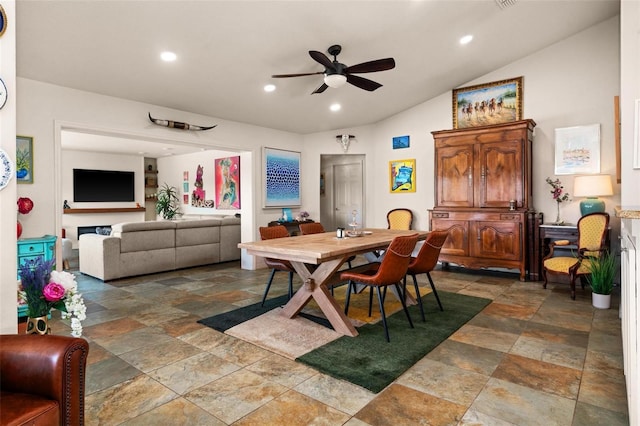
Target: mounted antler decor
(178, 124)
(344, 140)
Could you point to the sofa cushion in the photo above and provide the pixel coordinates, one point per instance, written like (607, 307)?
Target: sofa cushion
(118, 228)
(197, 236)
(146, 240)
(180, 224)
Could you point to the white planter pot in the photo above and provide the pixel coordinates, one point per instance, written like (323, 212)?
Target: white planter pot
(601, 301)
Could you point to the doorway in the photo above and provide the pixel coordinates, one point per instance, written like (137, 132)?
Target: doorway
(342, 190)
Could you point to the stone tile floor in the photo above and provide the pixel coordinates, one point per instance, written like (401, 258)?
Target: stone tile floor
(532, 357)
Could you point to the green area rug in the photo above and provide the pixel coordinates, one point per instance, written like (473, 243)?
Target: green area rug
(366, 360)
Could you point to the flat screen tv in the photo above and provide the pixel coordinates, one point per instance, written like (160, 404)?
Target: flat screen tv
(100, 186)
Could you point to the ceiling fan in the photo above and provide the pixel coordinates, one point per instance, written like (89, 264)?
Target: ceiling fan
(337, 74)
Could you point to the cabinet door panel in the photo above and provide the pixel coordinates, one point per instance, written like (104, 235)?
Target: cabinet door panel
(454, 176)
(458, 243)
(500, 170)
(497, 240)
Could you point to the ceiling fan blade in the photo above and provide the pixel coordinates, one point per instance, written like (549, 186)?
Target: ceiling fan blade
(372, 66)
(363, 83)
(320, 89)
(296, 75)
(322, 59)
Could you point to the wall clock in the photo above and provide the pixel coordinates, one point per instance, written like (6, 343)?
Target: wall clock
(3, 94)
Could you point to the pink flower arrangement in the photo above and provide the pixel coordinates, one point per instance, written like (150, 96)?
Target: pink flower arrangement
(557, 191)
(43, 289)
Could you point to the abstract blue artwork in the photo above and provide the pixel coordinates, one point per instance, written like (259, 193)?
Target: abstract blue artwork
(281, 178)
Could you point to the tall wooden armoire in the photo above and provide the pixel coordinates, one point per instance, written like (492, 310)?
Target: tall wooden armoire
(483, 195)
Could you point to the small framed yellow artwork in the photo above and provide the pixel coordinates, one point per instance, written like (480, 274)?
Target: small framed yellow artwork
(402, 176)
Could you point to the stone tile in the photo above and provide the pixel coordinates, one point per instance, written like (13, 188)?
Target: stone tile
(281, 370)
(498, 323)
(602, 390)
(151, 357)
(539, 375)
(331, 391)
(234, 396)
(193, 372)
(158, 314)
(605, 363)
(605, 341)
(485, 338)
(399, 405)
(292, 408)
(587, 414)
(174, 281)
(176, 412)
(242, 353)
(97, 353)
(112, 328)
(133, 340)
(553, 353)
(510, 311)
(475, 418)
(125, 401)
(467, 357)
(108, 372)
(521, 405)
(557, 334)
(180, 326)
(430, 377)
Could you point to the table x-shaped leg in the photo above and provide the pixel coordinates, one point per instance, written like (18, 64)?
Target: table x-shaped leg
(314, 286)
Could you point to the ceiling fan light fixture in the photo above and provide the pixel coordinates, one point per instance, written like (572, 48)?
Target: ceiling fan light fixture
(335, 80)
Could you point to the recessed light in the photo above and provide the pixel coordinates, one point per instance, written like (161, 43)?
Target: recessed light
(168, 56)
(269, 88)
(335, 107)
(466, 39)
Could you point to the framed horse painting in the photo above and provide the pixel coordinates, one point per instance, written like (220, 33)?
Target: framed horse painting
(487, 104)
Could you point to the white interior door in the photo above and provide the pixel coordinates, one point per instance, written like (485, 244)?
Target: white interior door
(347, 193)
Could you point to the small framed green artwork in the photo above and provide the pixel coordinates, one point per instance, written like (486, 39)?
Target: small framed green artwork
(24, 159)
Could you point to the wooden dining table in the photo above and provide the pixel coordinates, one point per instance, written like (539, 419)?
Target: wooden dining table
(327, 253)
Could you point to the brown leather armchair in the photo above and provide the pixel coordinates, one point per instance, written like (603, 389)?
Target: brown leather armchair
(42, 379)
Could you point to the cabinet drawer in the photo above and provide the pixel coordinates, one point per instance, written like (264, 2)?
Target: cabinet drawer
(31, 249)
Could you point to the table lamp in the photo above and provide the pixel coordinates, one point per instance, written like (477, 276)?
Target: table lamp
(592, 187)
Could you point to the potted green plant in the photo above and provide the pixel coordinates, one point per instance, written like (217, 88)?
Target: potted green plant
(168, 203)
(603, 271)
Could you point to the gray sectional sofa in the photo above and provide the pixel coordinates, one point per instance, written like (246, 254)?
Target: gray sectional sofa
(137, 248)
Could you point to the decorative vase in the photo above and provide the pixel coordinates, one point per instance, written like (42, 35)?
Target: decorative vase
(19, 228)
(558, 220)
(601, 301)
(38, 325)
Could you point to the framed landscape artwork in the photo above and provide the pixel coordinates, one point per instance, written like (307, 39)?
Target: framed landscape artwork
(227, 172)
(24, 159)
(577, 150)
(281, 181)
(400, 142)
(487, 104)
(402, 176)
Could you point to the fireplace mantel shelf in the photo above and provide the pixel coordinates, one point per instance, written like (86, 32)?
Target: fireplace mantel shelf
(105, 210)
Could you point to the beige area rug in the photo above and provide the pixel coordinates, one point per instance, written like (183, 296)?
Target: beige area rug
(295, 337)
(290, 338)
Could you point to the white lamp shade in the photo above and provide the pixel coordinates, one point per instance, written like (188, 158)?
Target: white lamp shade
(592, 186)
(335, 80)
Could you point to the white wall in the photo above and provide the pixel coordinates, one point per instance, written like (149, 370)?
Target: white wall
(89, 160)
(170, 171)
(570, 83)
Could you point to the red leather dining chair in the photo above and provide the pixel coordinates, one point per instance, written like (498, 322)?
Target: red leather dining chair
(268, 233)
(390, 271)
(317, 228)
(425, 262)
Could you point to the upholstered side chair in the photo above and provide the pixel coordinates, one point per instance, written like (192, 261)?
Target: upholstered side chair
(592, 229)
(400, 219)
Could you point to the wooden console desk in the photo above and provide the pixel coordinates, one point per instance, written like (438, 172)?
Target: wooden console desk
(293, 227)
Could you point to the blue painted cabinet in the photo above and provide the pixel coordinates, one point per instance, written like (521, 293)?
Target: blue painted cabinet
(30, 248)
